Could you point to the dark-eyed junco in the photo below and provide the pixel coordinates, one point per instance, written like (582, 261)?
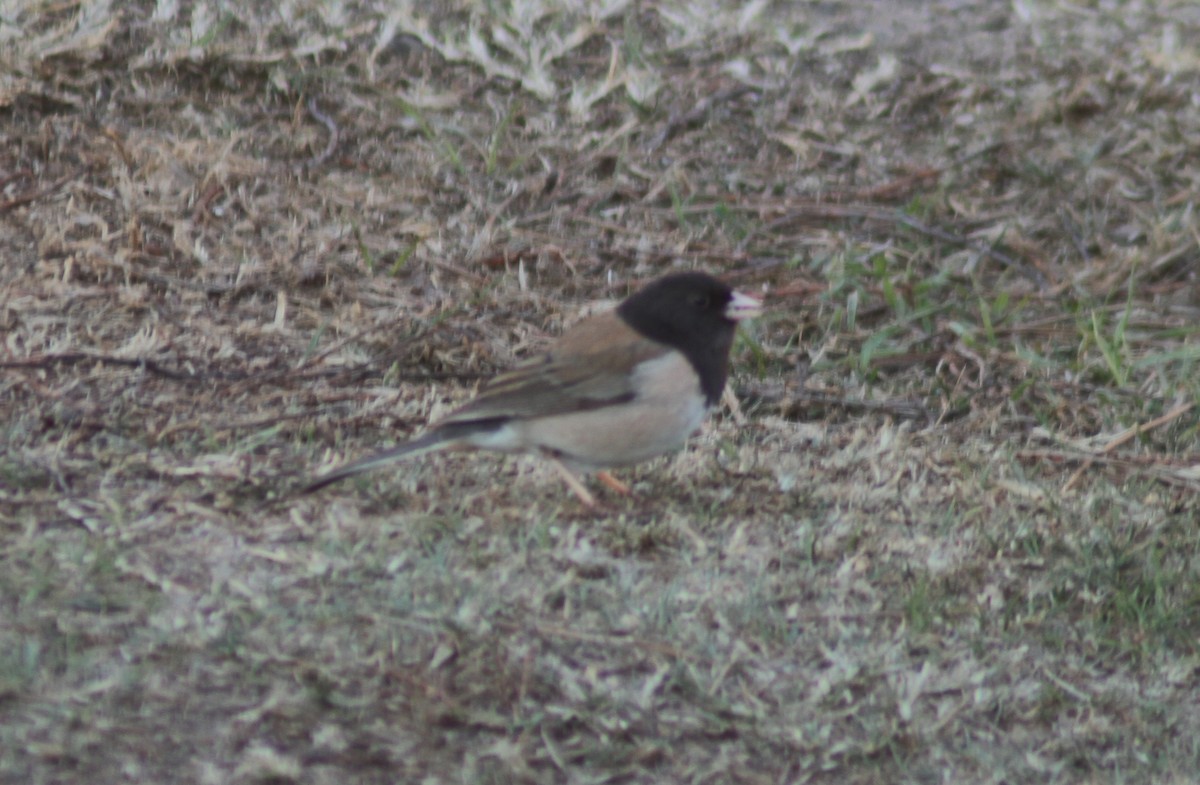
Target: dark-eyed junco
(617, 388)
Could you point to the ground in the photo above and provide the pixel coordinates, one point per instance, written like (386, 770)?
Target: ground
(947, 534)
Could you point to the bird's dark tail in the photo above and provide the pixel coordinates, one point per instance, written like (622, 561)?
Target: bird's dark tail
(434, 440)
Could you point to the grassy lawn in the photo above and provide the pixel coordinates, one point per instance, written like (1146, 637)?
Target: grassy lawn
(948, 534)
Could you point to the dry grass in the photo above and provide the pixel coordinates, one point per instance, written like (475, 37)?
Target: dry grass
(954, 541)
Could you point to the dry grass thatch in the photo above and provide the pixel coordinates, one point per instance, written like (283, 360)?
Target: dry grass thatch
(949, 537)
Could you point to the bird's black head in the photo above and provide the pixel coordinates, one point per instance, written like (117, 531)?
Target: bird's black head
(695, 314)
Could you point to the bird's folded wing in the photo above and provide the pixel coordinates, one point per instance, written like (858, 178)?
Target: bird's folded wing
(586, 370)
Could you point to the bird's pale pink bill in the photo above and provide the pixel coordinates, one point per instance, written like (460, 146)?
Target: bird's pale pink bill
(742, 306)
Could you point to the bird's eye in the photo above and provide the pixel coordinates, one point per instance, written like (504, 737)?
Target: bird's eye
(700, 300)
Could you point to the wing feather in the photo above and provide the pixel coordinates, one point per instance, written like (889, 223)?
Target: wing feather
(589, 367)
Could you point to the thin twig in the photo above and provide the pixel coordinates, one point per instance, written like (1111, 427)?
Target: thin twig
(1153, 466)
(1126, 435)
(949, 237)
(75, 358)
(547, 630)
(315, 112)
(820, 210)
(681, 122)
(33, 196)
(897, 407)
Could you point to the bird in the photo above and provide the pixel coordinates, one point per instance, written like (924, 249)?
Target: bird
(616, 389)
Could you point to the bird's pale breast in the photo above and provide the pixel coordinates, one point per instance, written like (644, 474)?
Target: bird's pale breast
(669, 406)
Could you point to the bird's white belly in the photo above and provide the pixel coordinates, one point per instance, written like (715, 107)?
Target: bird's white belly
(669, 407)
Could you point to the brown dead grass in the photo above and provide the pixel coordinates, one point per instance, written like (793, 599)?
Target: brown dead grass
(953, 539)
